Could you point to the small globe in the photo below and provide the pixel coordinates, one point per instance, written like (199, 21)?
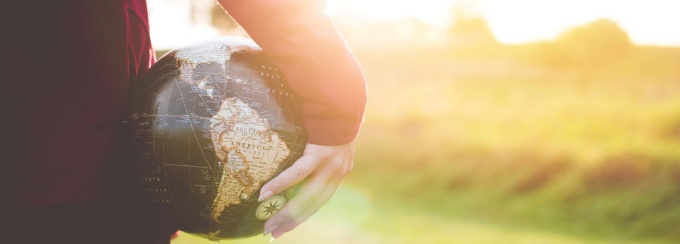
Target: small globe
(209, 125)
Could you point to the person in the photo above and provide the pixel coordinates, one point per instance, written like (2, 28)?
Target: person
(69, 66)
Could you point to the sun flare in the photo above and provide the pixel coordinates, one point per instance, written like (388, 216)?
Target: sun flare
(431, 11)
(650, 22)
(520, 21)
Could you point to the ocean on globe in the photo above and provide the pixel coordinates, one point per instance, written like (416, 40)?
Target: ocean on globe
(208, 125)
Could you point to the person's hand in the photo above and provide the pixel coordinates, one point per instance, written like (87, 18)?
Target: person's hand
(324, 168)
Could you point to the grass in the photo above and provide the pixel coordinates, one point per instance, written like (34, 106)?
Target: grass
(353, 217)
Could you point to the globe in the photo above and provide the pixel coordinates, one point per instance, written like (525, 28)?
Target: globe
(208, 125)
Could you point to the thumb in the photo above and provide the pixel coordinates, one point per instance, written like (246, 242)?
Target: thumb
(302, 168)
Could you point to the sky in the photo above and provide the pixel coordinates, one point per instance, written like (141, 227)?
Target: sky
(647, 22)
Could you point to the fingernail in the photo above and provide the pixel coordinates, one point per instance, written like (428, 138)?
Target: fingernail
(272, 240)
(270, 229)
(265, 195)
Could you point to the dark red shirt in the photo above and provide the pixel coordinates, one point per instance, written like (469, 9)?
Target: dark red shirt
(71, 61)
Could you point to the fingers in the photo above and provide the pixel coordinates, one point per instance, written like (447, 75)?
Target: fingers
(313, 157)
(312, 196)
(302, 217)
(302, 168)
(305, 196)
(323, 168)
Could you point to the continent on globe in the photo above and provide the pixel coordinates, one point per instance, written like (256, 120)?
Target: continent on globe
(208, 125)
(251, 150)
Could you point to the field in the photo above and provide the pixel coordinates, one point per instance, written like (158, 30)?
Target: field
(505, 144)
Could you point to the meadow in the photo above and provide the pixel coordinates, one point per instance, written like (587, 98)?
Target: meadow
(510, 144)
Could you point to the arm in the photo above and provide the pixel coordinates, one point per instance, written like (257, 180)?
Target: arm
(319, 67)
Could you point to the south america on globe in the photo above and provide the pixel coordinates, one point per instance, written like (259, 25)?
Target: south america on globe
(208, 125)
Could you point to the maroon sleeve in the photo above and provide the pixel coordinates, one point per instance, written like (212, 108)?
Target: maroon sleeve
(304, 43)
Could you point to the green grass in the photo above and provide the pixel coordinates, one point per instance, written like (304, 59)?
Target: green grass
(354, 216)
(587, 152)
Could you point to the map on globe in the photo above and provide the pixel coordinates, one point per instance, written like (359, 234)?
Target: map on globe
(251, 149)
(210, 124)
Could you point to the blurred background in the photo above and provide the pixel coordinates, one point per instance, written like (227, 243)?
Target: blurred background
(492, 121)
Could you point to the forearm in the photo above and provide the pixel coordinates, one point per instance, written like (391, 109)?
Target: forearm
(304, 43)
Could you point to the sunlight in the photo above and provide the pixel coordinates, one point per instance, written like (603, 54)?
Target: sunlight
(512, 22)
(434, 12)
(521, 21)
